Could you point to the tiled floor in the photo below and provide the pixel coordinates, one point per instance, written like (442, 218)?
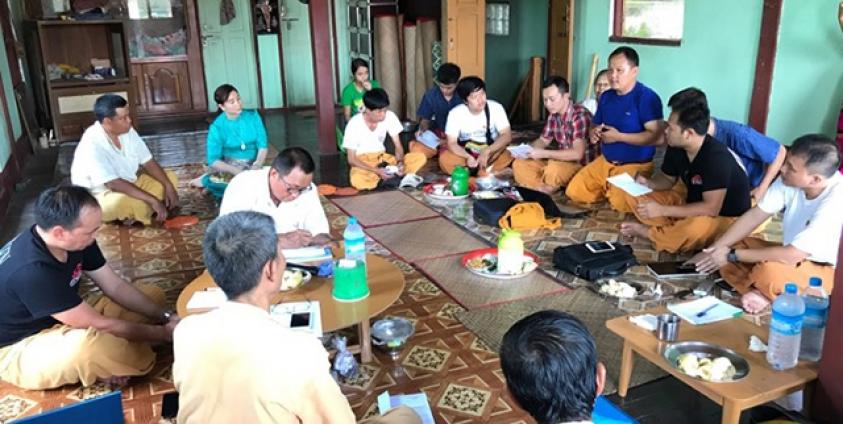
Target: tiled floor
(458, 372)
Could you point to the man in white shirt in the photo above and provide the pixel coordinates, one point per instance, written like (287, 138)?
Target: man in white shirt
(107, 161)
(478, 131)
(549, 360)
(364, 139)
(285, 192)
(810, 191)
(236, 363)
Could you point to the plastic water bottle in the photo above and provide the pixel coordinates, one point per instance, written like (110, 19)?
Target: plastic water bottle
(785, 329)
(355, 241)
(816, 316)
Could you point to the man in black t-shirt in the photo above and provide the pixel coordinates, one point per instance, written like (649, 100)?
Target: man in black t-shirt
(717, 187)
(49, 336)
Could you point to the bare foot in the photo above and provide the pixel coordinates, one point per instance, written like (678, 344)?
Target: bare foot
(754, 302)
(634, 229)
(115, 380)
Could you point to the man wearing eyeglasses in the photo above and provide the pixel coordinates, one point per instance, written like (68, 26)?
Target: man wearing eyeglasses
(285, 192)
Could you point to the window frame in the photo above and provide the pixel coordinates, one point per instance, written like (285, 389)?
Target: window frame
(617, 30)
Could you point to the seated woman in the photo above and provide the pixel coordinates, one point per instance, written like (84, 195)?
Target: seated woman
(236, 142)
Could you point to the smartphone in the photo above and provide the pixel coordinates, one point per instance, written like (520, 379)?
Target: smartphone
(300, 319)
(599, 246)
(170, 405)
(675, 269)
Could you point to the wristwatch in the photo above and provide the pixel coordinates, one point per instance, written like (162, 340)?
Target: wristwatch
(732, 256)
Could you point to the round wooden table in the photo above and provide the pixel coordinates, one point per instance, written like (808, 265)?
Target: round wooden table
(385, 281)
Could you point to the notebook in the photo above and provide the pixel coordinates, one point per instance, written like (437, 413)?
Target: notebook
(711, 308)
(307, 254)
(626, 183)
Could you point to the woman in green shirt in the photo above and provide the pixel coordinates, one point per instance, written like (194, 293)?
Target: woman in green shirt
(236, 142)
(352, 94)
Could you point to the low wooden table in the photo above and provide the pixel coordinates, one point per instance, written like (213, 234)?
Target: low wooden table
(385, 280)
(763, 384)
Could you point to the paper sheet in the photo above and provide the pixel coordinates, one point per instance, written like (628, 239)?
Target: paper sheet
(206, 299)
(689, 310)
(429, 139)
(520, 151)
(626, 183)
(307, 254)
(416, 401)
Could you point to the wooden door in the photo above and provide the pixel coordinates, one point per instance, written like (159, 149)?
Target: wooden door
(560, 42)
(166, 86)
(465, 34)
(297, 56)
(228, 52)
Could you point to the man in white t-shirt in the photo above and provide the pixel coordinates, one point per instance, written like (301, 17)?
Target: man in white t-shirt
(364, 139)
(285, 192)
(113, 162)
(810, 193)
(477, 130)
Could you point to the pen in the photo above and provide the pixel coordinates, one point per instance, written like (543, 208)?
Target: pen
(702, 313)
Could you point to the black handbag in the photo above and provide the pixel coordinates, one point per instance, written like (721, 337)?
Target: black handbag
(579, 260)
(490, 211)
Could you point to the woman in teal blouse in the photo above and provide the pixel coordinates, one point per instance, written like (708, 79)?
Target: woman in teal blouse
(236, 142)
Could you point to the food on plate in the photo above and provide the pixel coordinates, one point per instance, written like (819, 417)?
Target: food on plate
(488, 264)
(292, 278)
(618, 289)
(718, 369)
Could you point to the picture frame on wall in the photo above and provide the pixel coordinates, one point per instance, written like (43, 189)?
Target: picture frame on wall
(266, 16)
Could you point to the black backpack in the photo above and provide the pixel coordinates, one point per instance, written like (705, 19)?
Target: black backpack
(577, 259)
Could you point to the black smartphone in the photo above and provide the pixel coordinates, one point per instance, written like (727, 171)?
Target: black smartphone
(170, 405)
(301, 319)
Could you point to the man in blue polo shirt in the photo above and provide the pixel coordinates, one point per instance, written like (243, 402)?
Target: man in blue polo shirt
(628, 124)
(433, 111)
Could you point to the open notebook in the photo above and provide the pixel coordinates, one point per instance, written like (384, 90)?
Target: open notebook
(705, 310)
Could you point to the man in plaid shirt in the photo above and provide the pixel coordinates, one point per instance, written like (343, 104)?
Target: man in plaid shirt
(547, 168)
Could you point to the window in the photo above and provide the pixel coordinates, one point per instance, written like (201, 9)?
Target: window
(648, 21)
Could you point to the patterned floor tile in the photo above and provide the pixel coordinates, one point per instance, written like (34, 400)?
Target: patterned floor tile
(463, 399)
(426, 358)
(12, 406)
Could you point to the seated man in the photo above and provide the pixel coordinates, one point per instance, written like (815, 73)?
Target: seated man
(236, 363)
(434, 107)
(106, 162)
(285, 192)
(717, 187)
(810, 191)
(628, 123)
(550, 364)
(364, 140)
(567, 123)
(760, 156)
(49, 336)
(478, 132)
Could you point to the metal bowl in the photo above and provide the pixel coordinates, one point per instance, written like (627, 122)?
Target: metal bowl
(706, 350)
(391, 334)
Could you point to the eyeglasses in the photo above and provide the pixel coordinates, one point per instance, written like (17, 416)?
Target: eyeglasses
(293, 189)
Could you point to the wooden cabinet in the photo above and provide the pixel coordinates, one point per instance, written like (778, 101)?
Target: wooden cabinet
(62, 54)
(162, 86)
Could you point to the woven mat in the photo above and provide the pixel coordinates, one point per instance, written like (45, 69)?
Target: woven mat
(490, 324)
(386, 207)
(473, 291)
(425, 239)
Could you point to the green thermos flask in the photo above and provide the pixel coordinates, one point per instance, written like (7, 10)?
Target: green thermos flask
(459, 181)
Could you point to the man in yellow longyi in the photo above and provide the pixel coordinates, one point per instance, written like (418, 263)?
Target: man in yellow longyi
(113, 162)
(364, 139)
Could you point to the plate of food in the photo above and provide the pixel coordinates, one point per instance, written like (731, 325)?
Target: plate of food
(707, 362)
(294, 278)
(620, 289)
(484, 262)
(442, 191)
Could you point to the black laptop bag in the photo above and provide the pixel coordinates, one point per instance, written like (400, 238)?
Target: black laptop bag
(490, 211)
(578, 260)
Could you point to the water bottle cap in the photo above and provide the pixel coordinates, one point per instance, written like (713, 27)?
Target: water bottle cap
(790, 288)
(352, 220)
(815, 282)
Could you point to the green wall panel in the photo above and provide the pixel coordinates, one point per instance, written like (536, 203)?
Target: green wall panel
(270, 69)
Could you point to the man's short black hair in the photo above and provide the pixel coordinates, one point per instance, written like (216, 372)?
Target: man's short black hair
(61, 206)
(376, 98)
(550, 363)
(628, 52)
(222, 92)
(448, 73)
(821, 154)
(558, 81)
(468, 85)
(691, 109)
(291, 158)
(236, 248)
(357, 63)
(106, 106)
